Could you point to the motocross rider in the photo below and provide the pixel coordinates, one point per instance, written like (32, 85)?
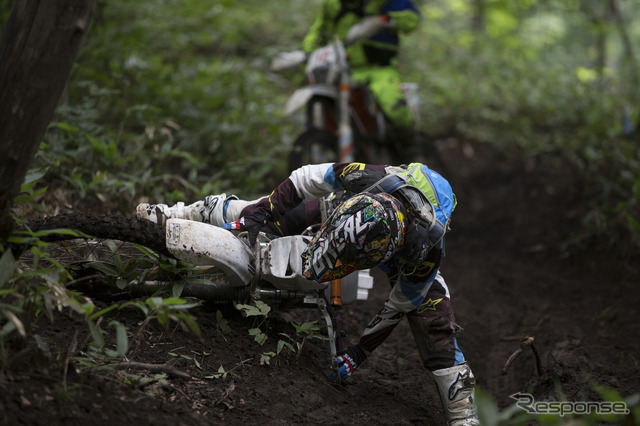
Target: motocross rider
(373, 60)
(394, 218)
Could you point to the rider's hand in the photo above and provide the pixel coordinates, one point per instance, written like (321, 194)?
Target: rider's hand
(369, 26)
(349, 361)
(252, 223)
(356, 182)
(286, 60)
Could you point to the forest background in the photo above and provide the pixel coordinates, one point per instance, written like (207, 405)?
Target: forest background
(173, 100)
(169, 100)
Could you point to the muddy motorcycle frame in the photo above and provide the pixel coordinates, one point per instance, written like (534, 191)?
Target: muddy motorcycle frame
(343, 119)
(269, 271)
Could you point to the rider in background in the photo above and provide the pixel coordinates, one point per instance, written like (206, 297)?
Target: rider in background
(394, 218)
(373, 60)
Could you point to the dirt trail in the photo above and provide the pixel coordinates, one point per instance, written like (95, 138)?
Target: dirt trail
(509, 278)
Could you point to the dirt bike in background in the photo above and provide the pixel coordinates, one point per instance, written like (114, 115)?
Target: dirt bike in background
(228, 269)
(343, 119)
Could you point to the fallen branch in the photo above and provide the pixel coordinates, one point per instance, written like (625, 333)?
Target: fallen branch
(225, 395)
(72, 349)
(155, 368)
(526, 342)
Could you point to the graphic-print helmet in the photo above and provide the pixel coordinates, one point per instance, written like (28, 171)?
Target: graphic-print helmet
(362, 232)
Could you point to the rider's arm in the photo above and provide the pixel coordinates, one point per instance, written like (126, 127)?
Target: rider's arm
(407, 294)
(316, 36)
(412, 282)
(315, 181)
(309, 182)
(312, 39)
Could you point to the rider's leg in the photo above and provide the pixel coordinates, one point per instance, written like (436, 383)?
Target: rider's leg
(214, 209)
(386, 86)
(220, 209)
(296, 220)
(434, 330)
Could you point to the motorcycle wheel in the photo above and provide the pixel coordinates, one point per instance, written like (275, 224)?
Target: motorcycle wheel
(121, 257)
(314, 147)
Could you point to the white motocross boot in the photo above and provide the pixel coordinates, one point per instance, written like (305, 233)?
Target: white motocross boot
(212, 210)
(456, 385)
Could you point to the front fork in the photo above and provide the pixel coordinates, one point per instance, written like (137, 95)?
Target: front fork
(335, 340)
(317, 118)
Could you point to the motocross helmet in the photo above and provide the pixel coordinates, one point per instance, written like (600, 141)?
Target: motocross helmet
(362, 232)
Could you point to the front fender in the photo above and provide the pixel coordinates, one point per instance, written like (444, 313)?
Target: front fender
(199, 244)
(300, 97)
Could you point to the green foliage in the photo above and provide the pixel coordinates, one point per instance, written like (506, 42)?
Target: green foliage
(530, 73)
(488, 412)
(36, 284)
(260, 310)
(173, 100)
(169, 101)
(26, 292)
(220, 373)
(166, 310)
(222, 323)
(490, 415)
(308, 330)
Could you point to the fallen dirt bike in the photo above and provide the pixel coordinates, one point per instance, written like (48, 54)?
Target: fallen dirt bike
(270, 271)
(343, 119)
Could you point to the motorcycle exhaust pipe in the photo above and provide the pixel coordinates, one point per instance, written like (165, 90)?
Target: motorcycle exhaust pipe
(222, 292)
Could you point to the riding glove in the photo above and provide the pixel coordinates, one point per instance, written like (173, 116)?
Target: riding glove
(252, 223)
(349, 361)
(368, 27)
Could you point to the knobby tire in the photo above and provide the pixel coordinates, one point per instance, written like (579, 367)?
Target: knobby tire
(138, 231)
(314, 147)
(122, 231)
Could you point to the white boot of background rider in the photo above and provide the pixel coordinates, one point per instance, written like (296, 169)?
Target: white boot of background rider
(456, 385)
(214, 209)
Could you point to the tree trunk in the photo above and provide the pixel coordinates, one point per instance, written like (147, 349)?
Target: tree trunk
(626, 43)
(478, 20)
(39, 44)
